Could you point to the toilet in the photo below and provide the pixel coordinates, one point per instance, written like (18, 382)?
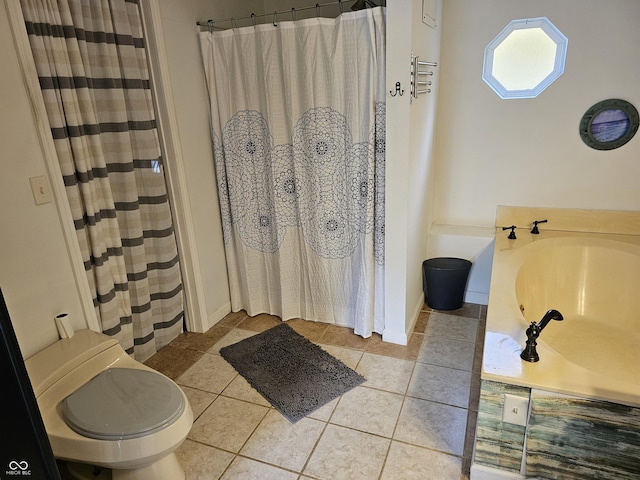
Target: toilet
(100, 407)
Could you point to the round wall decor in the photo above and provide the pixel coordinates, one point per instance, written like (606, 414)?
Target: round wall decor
(609, 124)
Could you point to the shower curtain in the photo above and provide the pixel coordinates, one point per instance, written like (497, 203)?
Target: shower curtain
(92, 66)
(298, 130)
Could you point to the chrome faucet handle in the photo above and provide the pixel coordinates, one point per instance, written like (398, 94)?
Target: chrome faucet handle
(535, 230)
(512, 235)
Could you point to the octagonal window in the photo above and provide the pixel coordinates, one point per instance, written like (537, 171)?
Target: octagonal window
(525, 58)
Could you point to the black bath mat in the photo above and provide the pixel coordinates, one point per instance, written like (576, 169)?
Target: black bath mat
(293, 374)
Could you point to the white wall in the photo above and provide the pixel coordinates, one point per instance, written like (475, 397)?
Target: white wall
(397, 172)
(425, 43)
(528, 152)
(409, 167)
(36, 276)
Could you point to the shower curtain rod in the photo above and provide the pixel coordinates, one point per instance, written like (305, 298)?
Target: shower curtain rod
(210, 24)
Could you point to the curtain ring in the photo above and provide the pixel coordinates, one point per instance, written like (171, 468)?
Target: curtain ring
(317, 10)
(275, 16)
(210, 25)
(293, 14)
(253, 19)
(341, 6)
(234, 25)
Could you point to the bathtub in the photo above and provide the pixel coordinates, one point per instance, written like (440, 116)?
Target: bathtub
(593, 279)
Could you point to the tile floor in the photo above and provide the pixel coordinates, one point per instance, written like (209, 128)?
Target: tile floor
(414, 417)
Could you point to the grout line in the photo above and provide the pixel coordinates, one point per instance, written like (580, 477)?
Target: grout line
(315, 445)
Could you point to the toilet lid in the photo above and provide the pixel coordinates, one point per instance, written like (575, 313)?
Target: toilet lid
(122, 403)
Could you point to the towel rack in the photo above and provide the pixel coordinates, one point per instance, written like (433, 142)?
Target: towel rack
(419, 82)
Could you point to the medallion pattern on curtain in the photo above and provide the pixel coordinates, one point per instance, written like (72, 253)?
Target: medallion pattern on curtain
(92, 66)
(298, 134)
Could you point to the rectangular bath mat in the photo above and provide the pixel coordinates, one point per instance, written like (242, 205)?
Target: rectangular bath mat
(293, 374)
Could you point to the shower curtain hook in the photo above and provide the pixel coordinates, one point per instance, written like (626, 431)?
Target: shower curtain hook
(210, 25)
(275, 16)
(234, 25)
(293, 14)
(317, 10)
(341, 6)
(253, 19)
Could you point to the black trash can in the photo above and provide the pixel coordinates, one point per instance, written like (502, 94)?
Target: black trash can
(443, 281)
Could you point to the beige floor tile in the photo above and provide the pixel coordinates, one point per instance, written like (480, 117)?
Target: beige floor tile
(173, 361)
(211, 373)
(198, 400)
(421, 322)
(472, 420)
(408, 462)
(368, 410)
(432, 425)
(345, 454)
(227, 423)
(240, 389)
(440, 384)
(247, 469)
(406, 352)
(324, 413)
(450, 326)
(446, 352)
(217, 332)
(348, 356)
(234, 336)
(282, 443)
(474, 391)
(232, 319)
(429, 440)
(386, 373)
(312, 331)
(260, 322)
(202, 462)
(195, 341)
(343, 337)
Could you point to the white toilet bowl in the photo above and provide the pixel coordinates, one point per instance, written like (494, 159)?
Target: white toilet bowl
(101, 407)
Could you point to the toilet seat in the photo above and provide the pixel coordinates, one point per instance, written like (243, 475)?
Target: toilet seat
(123, 403)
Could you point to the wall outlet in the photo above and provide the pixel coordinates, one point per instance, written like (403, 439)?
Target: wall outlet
(40, 189)
(515, 410)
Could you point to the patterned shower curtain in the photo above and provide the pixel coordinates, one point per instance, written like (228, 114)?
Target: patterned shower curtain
(91, 62)
(298, 128)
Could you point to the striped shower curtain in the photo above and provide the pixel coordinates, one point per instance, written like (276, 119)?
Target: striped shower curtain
(91, 62)
(298, 127)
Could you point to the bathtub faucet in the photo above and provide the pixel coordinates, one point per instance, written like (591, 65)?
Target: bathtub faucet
(512, 235)
(535, 230)
(533, 332)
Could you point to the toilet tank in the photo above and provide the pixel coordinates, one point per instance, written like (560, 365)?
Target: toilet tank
(54, 362)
